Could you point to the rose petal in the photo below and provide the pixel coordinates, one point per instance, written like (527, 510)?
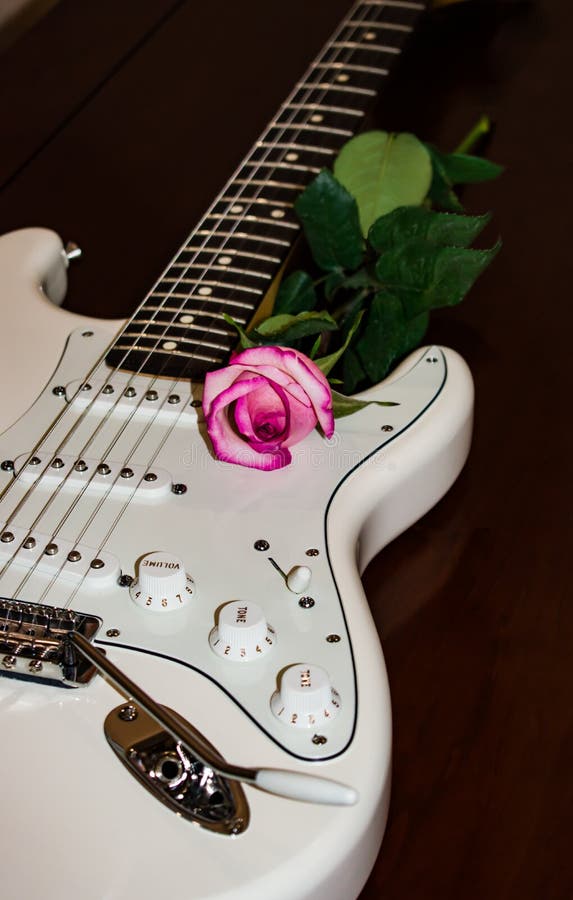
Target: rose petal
(266, 404)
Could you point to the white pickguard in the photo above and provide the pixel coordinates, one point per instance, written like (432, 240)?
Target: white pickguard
(74, 810)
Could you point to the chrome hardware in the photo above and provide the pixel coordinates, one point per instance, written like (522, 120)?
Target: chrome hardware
(72, 251)
(59, 390)
(178, 488)
(306, 602)
(173, 775)
(7, 537)
(7, 465)
(33, 642)
(261, 545)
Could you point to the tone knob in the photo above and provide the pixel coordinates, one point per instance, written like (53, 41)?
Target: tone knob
(242, 632)
(162, 584)
(306, 697)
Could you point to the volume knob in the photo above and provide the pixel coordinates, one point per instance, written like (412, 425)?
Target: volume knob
(306, 697)
(242, 632)
(162, 584)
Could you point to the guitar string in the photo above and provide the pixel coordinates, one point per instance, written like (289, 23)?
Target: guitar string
(297, 134)
(128, 459)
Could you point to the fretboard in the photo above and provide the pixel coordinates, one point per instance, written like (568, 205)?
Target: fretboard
(229, 260)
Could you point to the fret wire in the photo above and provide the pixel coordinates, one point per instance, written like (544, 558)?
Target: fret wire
(281, 165)
(266, 182)
(370, 70)
(249, 200)
(187, 325)
(229, 251)
(189, 310)
(310, 127)
(343, 110)
(244, 236)
(326, 86)
(233, 287)
(251, 218)
(226, 301)
(372, 23)
(356, 45)
(250, 272)
(138, 349)
(211, 344)
(328, 151)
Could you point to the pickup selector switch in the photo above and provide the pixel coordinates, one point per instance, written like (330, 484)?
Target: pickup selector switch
(162, 584)
(242, 632)
(298, 579)
(306, 697)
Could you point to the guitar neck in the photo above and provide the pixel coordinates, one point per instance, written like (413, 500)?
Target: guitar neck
(229, 260)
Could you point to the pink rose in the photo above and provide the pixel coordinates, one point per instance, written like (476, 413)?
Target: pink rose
(266, 400)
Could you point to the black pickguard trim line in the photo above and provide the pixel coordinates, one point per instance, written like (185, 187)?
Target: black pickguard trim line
(352, 656)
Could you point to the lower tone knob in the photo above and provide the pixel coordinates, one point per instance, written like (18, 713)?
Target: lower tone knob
(162, 584)
(242, 632)
(306, 697)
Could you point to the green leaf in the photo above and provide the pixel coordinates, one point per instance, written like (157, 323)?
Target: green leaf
(315, 347)
(244, 339)
(388, 335)
(409, 222)
(329, 216)
(425, 276)
(464, 169)
(345, 406)
(384, 171)
(295, 294)
(441, 191)
(352, 371)
(285, 328)
(326, 363)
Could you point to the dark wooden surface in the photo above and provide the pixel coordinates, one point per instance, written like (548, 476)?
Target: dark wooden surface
(120, 122)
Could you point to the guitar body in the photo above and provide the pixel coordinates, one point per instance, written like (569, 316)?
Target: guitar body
(77, 823)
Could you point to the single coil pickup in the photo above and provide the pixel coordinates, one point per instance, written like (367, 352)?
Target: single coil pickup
(34, 642)
(137, 396)
(49, 471)
(53, 556)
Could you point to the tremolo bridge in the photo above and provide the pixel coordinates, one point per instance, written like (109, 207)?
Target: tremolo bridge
(34, 642)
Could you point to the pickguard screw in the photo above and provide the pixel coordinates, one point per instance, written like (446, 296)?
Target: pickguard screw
(151, 395)
(97, 564)
(150, 476)
(431, 359)
(129, 392)
(7, 465)
(261, 545)
(306, 602)
(195, 403)
(173, 398)
(312, 552)
(7, 537)
(87, 334)
(113, 632)
(387, 428)
(59, 390)
(74, 556)
(319, 739)
(128, 713)
(333, 638)
(178, 488)
(125, 581)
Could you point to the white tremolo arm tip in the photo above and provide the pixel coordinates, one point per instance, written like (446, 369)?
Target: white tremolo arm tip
(311, 788)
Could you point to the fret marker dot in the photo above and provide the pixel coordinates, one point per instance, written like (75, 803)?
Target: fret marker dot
(186, 320)
(291, 157)
(317, 117)
(169, 345)
(343, 77)
(225, 260)
(278, 214)
(205, 291)
(237, 208)
(369, 36)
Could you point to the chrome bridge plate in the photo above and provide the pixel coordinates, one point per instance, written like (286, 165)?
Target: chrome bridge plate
(33, 642)
(176, 778)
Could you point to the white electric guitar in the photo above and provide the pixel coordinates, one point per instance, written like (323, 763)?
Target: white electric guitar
(195, 703)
